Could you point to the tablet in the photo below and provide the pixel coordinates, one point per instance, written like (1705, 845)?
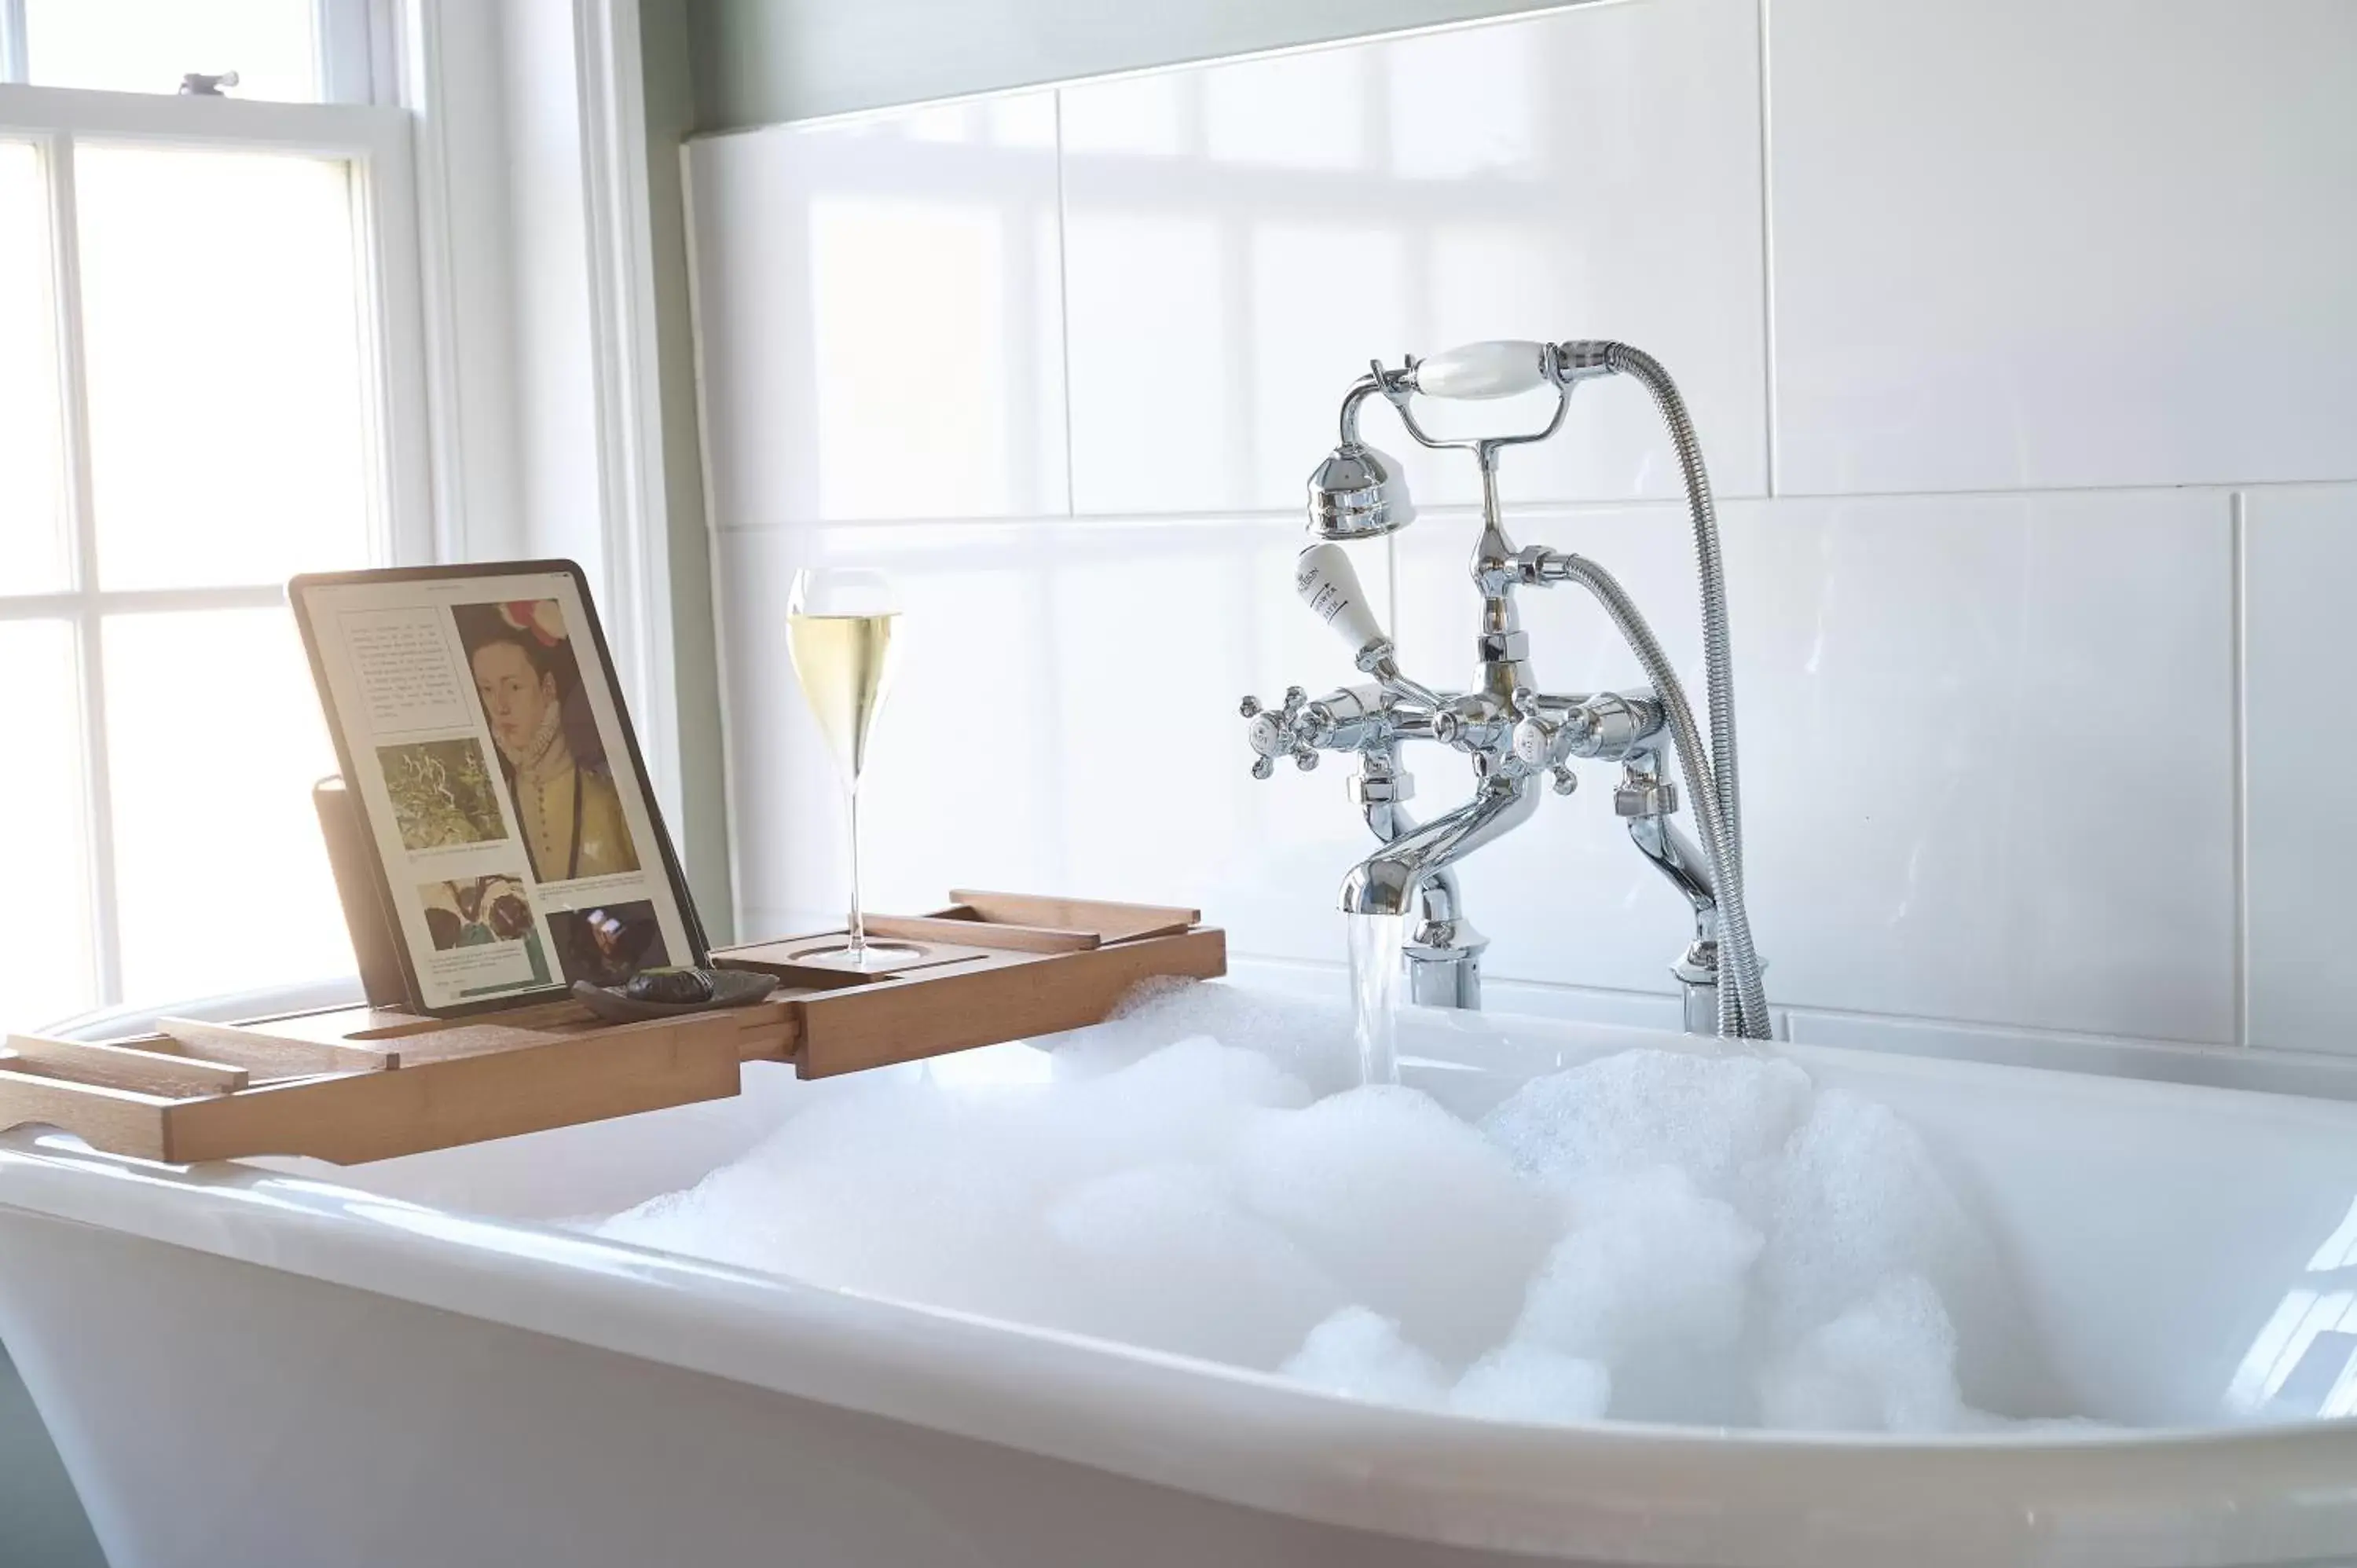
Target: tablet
(516, 845)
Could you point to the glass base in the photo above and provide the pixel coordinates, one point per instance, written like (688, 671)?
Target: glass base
(871, 959)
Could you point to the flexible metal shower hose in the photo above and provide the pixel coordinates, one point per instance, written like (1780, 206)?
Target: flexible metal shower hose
(1739, 962)
(1743, 1005)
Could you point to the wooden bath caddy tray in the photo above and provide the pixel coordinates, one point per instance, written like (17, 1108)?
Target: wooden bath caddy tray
(358, 1084)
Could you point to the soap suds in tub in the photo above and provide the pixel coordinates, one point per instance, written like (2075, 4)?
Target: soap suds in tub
(1652, 1235)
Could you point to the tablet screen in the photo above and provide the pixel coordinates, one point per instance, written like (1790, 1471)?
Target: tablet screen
(483, 739)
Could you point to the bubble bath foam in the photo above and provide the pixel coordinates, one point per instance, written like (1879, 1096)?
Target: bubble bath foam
(1661, 1235)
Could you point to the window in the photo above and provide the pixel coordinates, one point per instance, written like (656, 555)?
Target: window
(211, 367)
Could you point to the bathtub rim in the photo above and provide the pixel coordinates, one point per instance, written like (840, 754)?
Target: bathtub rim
(2262, 1492)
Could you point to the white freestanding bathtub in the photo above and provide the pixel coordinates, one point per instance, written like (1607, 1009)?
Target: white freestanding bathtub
(409, 1363)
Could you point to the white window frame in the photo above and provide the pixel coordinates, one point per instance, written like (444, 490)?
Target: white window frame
(349, 40)
(375, 138)
(620, 244)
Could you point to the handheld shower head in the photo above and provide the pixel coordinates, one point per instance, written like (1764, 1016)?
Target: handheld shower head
(1358, 493)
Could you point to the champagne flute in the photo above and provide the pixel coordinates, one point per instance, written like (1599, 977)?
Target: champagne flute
(839, 626)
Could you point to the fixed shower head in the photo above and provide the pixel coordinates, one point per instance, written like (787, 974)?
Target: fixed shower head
(1358, 493)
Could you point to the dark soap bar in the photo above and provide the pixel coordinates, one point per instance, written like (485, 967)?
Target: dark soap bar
(671, 985)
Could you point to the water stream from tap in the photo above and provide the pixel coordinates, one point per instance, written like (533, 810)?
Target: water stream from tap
(1375, 942)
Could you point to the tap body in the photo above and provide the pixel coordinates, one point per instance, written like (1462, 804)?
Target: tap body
(1512, 740)
(1442, 952)
(1387, 881)
(1510, 729)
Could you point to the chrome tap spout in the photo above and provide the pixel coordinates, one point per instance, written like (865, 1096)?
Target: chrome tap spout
(1387, 882)
(1443, 950)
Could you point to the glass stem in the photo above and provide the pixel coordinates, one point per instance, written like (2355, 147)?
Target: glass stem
(858, 921)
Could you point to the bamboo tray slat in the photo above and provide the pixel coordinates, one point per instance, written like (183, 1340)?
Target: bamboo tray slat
(966, 1006)
(118, 1067)
(277, 1056)
(1114, 922)
(951, 929)
(357, 1084)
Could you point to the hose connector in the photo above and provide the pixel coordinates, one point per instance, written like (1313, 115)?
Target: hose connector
(1581, 360)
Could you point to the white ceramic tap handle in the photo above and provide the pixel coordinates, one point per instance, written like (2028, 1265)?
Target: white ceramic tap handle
(1483, 369)
(1323, 576)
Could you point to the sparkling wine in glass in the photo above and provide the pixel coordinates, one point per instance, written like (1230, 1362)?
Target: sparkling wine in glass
(839, 625)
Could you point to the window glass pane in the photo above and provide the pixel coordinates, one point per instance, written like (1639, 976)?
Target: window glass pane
(229, 428)
(49, 972)
(214, 740)
(146, 46)
(33, 529)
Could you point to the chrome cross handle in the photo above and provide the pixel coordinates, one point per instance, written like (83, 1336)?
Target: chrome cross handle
(1284, 731)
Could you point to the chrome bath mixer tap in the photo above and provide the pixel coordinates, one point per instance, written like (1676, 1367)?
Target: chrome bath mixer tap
(1512, 732)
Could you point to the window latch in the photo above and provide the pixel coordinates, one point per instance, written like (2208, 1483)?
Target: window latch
(197, 84)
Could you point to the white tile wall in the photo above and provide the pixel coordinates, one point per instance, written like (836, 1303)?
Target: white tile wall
(893, 342)
(1240, 240)
(1968, 789)
(2299, 696)
(2057, 243)
(2038, 310)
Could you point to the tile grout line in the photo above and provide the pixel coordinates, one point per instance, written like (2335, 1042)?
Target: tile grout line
(1825, 1011)
(2238, 581)
(1064, 306)
(2031, 492)
(1767, 260)
(1541, 506)
(1832, 1012)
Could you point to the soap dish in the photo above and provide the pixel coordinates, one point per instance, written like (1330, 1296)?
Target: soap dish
(730, 988)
